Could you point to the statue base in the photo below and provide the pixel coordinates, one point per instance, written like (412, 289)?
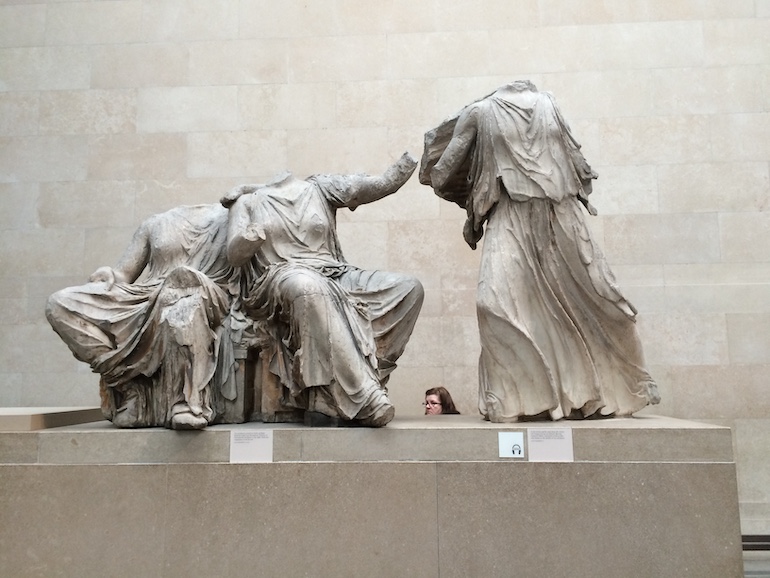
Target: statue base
(424, 496)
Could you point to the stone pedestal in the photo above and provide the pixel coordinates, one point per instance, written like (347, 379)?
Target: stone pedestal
(426, 496)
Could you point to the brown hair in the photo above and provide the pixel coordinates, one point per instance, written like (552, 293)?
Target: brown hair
(447, 405)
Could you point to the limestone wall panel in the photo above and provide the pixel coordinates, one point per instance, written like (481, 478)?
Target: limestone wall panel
(287, 107)
(43, 158)
(396, 16)
(41, 252)
(745, 237)
(338, 150)
(22, 25)
(19, 201)
(19, 113)
(236, 154)
(187, 109)
(337, 58)
(599, 12)
(88, 112)
(439, 54)
(646, 299)
(239, 62)
(639, 275)
(386, 103)
(654, 140)
(373, 253)
(749, 339)
(161, 195)
(44, 68)
(714, 187)
(104, 246)
(736, 40)
(625, 190)
(188, 20)
(15, 346)
(65, 386)
(695, 273)
(67, 204)
(715, 298)
(650, 239)
(425, 344)
(138, 65)
(741, 137)
(136, 156)
(623, 93)
(118, 21)
(707, 90)
(10, 392)
(684, 339)
(287, 19)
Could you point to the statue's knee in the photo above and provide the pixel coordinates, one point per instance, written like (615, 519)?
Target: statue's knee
(416, 288)
(304, 284)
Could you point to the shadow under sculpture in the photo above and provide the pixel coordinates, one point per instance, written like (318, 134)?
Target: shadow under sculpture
(332, 331)
(558, 338)
(198, 282)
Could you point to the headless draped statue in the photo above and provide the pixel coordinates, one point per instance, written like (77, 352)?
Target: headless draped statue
(558, 338)
(161, 326)
(334, 331)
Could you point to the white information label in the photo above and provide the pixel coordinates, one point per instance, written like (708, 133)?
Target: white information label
(251, 446)
(511, 444)
(550, 445)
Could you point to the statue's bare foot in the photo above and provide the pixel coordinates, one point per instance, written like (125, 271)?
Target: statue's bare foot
(380, 417)
(187, 420)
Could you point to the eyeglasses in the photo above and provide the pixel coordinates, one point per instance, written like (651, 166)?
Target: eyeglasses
(431, 403)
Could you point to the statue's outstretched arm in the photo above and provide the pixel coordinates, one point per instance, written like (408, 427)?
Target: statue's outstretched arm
(367, 189)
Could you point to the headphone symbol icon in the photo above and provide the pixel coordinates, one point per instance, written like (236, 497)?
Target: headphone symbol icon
(516, 450)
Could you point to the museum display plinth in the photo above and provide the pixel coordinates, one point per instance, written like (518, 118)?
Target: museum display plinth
(426, 496)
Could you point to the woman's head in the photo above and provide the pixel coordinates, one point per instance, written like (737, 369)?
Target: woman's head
(438, 400)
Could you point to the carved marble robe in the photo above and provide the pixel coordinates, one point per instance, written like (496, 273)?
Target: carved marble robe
(335, 330)
(162, 343)
(556, 333)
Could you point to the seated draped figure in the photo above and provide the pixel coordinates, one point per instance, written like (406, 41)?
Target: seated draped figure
(334, 331)
(558, 338)
(161, 326)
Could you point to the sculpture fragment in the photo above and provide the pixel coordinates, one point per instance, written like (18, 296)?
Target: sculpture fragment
(558, 338)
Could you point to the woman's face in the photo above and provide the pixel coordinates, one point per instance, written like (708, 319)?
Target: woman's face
(432, 405)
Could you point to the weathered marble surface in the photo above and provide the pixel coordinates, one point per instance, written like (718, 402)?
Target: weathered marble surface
(198, 282)
(558, 338)
(160, 326)
(333, 332)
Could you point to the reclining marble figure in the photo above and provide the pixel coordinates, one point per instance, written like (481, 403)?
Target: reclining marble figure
(334, 331)
(558, 339)
(160, 327)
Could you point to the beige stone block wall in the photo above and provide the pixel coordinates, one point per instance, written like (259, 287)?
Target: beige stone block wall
(112, 110)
